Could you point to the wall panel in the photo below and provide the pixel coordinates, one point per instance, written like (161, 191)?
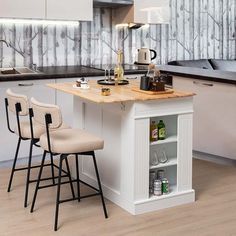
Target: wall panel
(197, 29)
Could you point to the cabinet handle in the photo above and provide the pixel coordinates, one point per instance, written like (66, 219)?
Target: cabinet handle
(25, 85)
(205, 84)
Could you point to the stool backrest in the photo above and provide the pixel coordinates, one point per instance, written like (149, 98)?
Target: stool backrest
(43, 110)
(17, 99)
(17, 104)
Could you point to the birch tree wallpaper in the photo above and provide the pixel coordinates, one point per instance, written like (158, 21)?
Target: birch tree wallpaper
(197, 29)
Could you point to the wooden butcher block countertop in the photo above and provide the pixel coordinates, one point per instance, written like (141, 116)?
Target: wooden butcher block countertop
(122, 93)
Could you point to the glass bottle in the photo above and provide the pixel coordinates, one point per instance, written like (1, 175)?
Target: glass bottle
(153, 132)
(119, 70)
(161, 130)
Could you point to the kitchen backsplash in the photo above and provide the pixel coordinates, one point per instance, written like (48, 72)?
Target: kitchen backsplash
(198, 29)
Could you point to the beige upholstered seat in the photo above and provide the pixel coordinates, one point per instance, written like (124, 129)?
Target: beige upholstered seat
(71, 141)
(64, 141)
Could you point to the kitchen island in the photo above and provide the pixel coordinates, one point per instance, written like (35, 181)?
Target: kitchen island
(123, 121)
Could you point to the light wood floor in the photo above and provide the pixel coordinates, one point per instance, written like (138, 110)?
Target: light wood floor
(214, 212)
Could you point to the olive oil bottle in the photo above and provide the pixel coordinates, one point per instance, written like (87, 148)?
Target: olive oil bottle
(153, 132)
(119, 70)
(161, 130)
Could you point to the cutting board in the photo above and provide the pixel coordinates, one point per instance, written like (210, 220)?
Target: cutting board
(167, 91)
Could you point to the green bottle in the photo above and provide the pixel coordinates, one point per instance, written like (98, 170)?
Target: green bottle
(161, 130)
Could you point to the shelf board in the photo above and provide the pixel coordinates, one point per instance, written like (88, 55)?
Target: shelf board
(171, 162)
(170, 139)
(173, 191)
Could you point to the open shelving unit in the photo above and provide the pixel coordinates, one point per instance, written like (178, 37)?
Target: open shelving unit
(173, 191)
(169, 146)
(172, 161)
(177, 114)
(170, 139)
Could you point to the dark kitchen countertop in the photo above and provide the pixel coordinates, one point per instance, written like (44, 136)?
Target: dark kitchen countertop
(128, 68)
(57, 72)
(98, 70)
(203, 74)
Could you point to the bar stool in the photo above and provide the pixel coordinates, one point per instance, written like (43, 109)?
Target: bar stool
(25, 130)
(64, 143)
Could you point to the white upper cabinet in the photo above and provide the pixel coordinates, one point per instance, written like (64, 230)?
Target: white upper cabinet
(152, 11)
(144, 12)
(70, 10)
(74, 10)
(22, 9)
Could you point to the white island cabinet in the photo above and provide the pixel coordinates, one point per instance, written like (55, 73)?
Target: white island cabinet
(123, 121)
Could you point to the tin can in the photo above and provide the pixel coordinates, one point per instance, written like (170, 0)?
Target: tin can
(165, 186)
(160, 174)
(157, 187)
(152, 177)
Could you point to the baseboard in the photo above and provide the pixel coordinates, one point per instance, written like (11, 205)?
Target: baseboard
(213, 158)
(150, 205)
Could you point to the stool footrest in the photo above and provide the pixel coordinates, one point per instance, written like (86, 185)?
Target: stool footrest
(76, 198)
(49, 178)
(32, 167)
(61, 170)
(87, 185)
(52, 185)
(66, 182)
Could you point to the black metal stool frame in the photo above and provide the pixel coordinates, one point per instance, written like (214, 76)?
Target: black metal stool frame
(33, 142)
(48, 121)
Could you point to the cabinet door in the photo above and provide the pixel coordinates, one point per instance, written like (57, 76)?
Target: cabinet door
(22, 8)
(70, 10)
(151, 11)
(8, 141)
(214, 129)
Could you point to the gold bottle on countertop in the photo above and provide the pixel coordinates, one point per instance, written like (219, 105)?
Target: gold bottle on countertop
(119, 70)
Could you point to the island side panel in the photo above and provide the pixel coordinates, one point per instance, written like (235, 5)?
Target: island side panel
(142, 133)
(95, 120)
(115, 124)
(184, 172)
